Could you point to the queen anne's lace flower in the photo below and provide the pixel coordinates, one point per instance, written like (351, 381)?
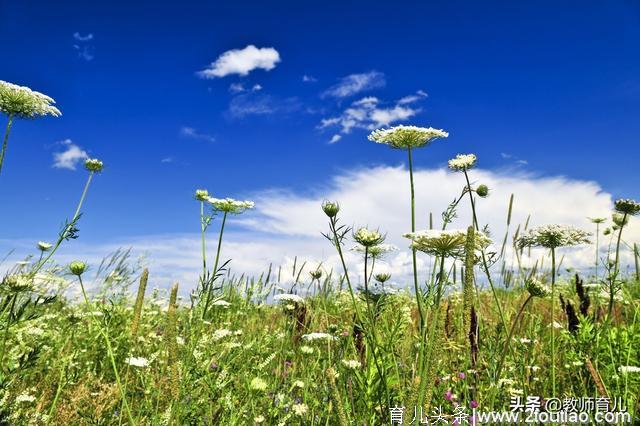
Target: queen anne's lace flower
(23, 102)
(552, 236)
(375, 251)
(463, 162)
(229, 205)
(137, 361)
(628, 206)
(351, 363)
(44, 246)
(317, 336)
(626, 369)
(202, 194)
(449, 243)
(405, 137)
(537, 288)
(93, 165)
(368, 238)
(294, 298)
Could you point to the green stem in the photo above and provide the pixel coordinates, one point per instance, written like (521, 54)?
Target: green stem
(63, 234)
(612, 279)
(413, 250)
(6, 140)
(508, 341)
(215, 265)
(6, 332)
(109, 351)
(553, 327)
(202, 231)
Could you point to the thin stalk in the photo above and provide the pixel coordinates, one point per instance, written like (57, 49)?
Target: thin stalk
(5, 140)
(215, 265)
(553, 327)
(110, 353)
(6, 332)
(202, 231)
(508, 341)
(63, 234)
(413, 250)
(616, 268)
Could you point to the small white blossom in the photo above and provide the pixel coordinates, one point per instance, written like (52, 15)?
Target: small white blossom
(463, 162)
(626, 369)
(300, 409)
(553, 236)
(318, 336)
(351, 364)
(406, 137)
(137, 361)
(229, 205)
(25, 397)
(294, 298)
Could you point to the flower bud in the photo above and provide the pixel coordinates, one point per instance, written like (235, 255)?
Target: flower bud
(93, 165)
(536, 288)
(382, 278)
(202, 194)
(77, 267)
(482, 191)
(330, 208)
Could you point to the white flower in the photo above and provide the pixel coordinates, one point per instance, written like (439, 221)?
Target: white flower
(25, 397)
(23, 102)
(202, 194)
(307, 350)
(405, 137)
(463, 162)
(375, 251)
(351, 363)
(525, 340)
(221, 334)
(626, 369)
(298, 384)
(229, 205)
(449, 243)
(300, 409)
(552, 236)
(44, 246)
(368, 238)
(318, 336)
(137, 361)
(294, 298)
(259, 419)
(222, 303)
(258, 384)
(93, 165)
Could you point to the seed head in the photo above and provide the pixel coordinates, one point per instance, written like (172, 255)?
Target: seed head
(382, 278)
(77, 267)
(537, 288)
(627, 206)
(330, 208)
(482, 191)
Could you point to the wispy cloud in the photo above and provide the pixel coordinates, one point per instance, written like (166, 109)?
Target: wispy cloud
(355, 83)
(167, 160)
(370, 113)
(70, 157)
(242, 62)
(192, 133)
(83, 46)
(261, 104)
(309, 78)
(239, 88)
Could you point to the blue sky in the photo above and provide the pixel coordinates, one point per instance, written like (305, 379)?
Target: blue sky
(536, 88)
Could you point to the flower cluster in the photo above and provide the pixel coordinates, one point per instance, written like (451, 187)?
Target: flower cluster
(293, 298)
(318, 336)
(377, 251)
(449, 243)
(463, 162)
(229, 205)
(351, 364)
(23, 102)
(367, 238)
(330, 208)
(627, 206)
(537, 288)
(202, 194)
(93, 165)
(137, 361)
(406, 137)
(552, 236)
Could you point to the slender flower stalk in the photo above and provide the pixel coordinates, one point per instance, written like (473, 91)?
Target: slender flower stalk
(597, 221)
(137, 309)
(78, 268)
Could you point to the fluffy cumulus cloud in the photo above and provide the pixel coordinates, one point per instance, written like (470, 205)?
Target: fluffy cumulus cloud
(70, 157)
(285, 227)
(371, 113)
(242, 62)
(355, 83)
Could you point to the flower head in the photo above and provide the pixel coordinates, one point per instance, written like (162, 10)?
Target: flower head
(626, 369)
(482, 191)
(330, 208)
(449, 243)
(351, 364)
(316, 274)
(406, 137)
(229, 205)
(627, 206)
(367, 238)
(44, 246)
(552, 236)
(258, 384)
(17, 283)
(463, 162)
(382, 278)
(77, 267)
(93, 165)
(318, 336)
(377, 251)
(289, 298)
(537, 288)
(619, 220)
(137, 361)
(23, 102)
(202, 194)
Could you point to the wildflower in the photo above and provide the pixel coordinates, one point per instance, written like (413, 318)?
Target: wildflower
(626, 369)
(300, 409)
(44, 246)
(537, 288)
(137, 361)
(221, 334)
(77, 267)
(368, 238)
(377, 251)
(288, 298)
(229, 205)
(449, 243)
(619, 220)
(482, 190)
(330, 208)
(25, 397)
(461, 376)
(22, 102)
(93, 165)
(318, 336)
(627, 206)
(298, 384)
(463, 162)
(406, 137)
(307, 350)
(316, 275)
(351, 364)
(552, 236)
(258, 384)
(382, 278)
(17, 283)
(474, 403)
(202, 194)
(525, 340)
(449, 396)
(222, 303)
(259, 419)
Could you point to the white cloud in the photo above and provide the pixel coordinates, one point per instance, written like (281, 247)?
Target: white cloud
(83, 46)
(260, 104)
(167, 160)
(256, 87)
(309, 78)
(236, 88)
(287, 224)
(370, 113)
(420, 94)
(356, 83)
(70, 157)
(242, 62)
(82, 38)
(335, 138)
(190, 132)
